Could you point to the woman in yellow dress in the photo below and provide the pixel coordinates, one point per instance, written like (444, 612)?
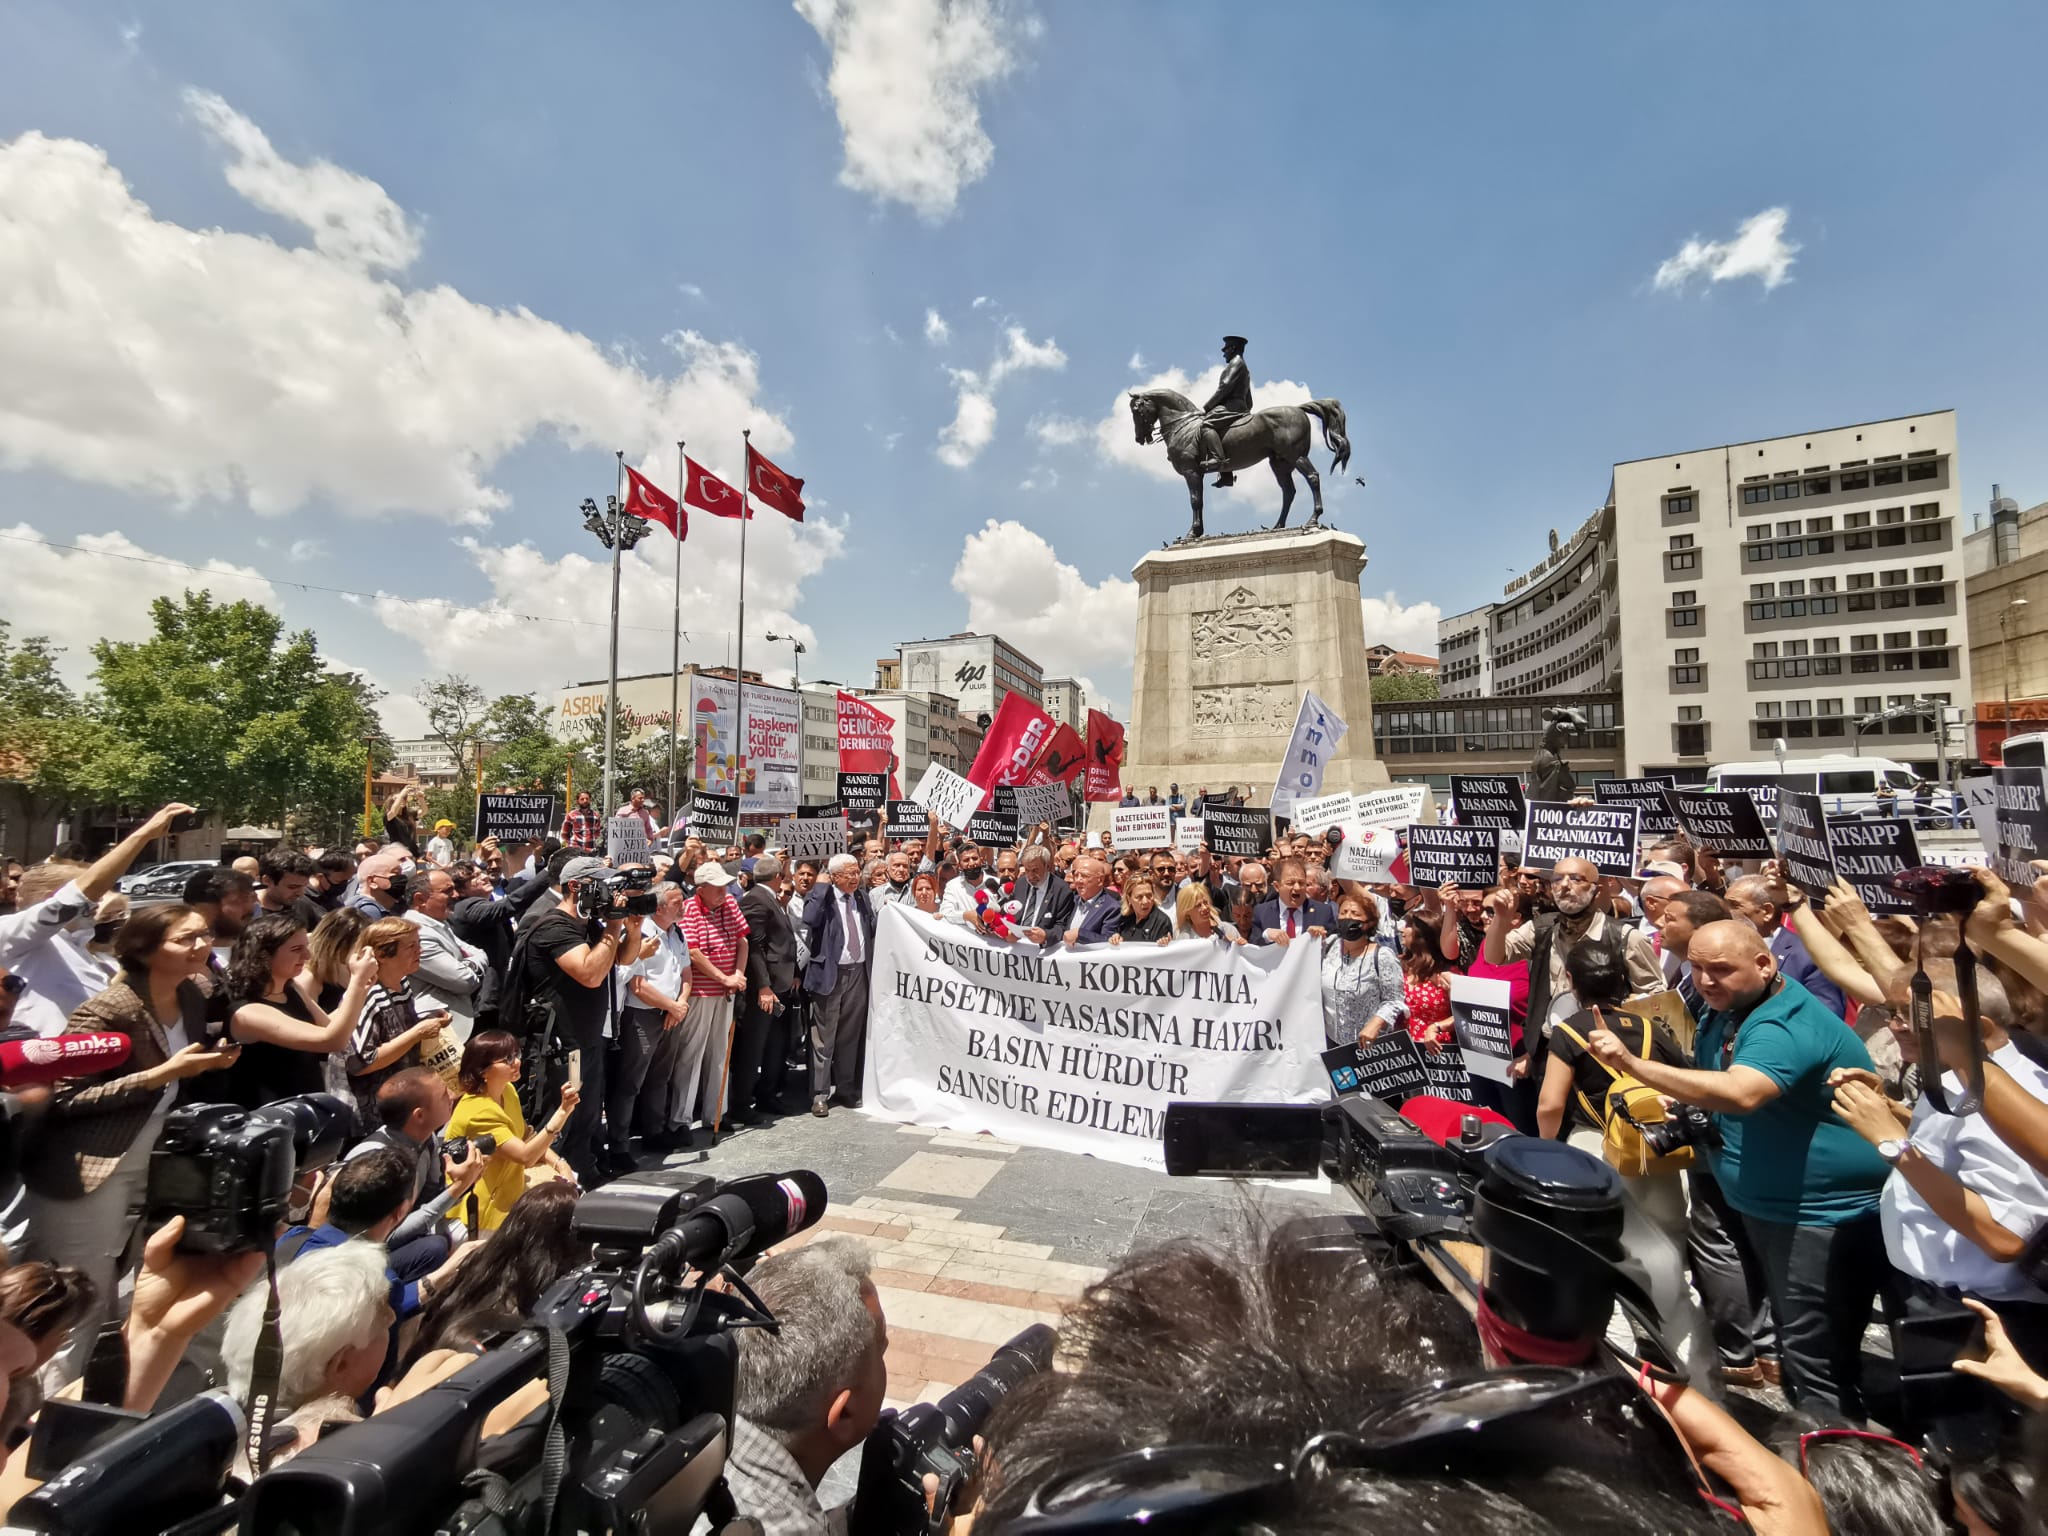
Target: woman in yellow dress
(490, 1107)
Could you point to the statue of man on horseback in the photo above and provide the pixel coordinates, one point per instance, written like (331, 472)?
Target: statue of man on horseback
(1226, 434)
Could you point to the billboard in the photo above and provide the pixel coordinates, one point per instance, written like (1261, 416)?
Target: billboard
(758, 755)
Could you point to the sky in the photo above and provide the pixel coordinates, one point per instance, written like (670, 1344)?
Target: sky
(352, 304)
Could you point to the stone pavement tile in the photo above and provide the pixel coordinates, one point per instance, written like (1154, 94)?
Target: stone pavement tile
(911, 1209)
(937, 1354)
(908, 1263)
(856, 1226)
(901, 1279)
(975, 1143)
(943, 1173)
(984, 1322)
(915, 1130)
(975, 1290)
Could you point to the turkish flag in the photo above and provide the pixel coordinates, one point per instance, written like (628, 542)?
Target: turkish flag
(647, 500)
(1105, 757)
(1017, 738)
(705, 491)
(1064, 759)
(785, 493)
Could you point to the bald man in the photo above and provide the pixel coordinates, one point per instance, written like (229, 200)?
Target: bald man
(1804, 1184)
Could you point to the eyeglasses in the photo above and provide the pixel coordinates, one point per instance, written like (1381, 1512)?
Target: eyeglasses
(1537, 1416)
(1850, 1434)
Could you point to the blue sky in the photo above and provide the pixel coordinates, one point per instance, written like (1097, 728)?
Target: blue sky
(364, 295)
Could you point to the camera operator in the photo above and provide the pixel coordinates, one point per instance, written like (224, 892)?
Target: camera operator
(412, 1108)
(1805, 1186)
(571, 952)
(810, 1390)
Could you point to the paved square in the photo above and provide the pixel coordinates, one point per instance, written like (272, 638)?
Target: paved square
(941, 1173)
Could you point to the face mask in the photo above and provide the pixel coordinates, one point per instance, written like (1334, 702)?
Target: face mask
(1351, 929)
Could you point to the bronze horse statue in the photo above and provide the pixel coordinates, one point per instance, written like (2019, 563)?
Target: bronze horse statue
(1279, 435)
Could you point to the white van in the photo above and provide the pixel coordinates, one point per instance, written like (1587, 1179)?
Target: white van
(2029, 751)
(1847, 785)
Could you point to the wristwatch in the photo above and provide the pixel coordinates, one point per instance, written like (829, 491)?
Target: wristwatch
(1892, 1148)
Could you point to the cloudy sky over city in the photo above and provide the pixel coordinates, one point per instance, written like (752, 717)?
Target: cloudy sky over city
(352, 304)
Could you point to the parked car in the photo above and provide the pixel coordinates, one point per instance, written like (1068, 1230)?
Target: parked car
(173, 872)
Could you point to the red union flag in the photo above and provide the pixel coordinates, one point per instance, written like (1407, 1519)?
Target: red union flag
(705, 491)
(1105, 757)
(647, 500)
(1064, 759)
(866, 740)
(1016, 740)
(785, 493)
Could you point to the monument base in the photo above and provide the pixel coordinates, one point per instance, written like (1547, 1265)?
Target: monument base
(1230, 631)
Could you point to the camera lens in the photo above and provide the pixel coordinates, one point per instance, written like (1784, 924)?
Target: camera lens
(1550, 1218)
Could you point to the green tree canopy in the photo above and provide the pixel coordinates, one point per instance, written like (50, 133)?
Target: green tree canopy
(1404, 688)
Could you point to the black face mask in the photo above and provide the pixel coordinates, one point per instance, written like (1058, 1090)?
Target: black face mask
(1351, 929)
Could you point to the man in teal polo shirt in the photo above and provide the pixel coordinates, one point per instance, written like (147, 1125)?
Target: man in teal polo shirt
(1805, 1185)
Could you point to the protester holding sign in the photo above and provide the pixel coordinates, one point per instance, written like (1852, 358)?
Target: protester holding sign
(1546, 941)
(1363, 987)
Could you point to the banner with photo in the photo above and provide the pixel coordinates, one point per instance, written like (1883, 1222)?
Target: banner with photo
(758, 755)
(1082, 1050)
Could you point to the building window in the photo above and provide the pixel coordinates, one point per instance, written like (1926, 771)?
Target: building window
(1757, 552)
(1893, 474)
(1792, 589)
(1677, 506)
(1926, 511)
(1685, 599)
(1759, 531)
(1763, 650)
(1685, 618)
(1892, 578)
(1818, 486)
(1934, 637)
(1789, 549)
(1785, 490)
(1929, 597)
(1753, 495)
(1681, 541)
(1925, 470)
(1683, 675)
(1827, 645)
(1758, 589)
(1684, 559)
(1820, 525)
(1788, 528)
(1691, 653)
(1933, 661)
(1887, 515)
(1826, 604)
(1855, 541)
(1857, 481)
(1927, 573)
(1863, 642)
(1890, 538)
(1763, 610)
(1926, 533)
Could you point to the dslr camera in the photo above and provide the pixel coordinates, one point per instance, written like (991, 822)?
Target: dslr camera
(229, 1171)
(1684, 1125)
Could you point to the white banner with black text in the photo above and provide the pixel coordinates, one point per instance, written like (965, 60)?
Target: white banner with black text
(1082, 1050)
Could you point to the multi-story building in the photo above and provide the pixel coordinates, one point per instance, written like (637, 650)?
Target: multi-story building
(2008, 624)
(1385, 661)
(1464, 654)
(820, 743)
(428, 758)
(888, 673)
(978, 671)
(1789, 589)
(1065, 702)
(1555, 630)
(1427, 741)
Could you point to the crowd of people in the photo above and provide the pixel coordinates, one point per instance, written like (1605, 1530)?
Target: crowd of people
(515, 1025)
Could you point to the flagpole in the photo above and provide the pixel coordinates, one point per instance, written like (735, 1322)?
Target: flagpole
(739, 723)
(611, 709)
(675, 663)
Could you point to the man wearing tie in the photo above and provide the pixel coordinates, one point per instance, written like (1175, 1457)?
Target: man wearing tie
(1096, 906)
(1047, 900)
(842, 936)
(1290, 914)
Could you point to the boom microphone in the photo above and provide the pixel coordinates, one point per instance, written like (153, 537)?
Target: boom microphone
(743, 1220)
(25, 1063)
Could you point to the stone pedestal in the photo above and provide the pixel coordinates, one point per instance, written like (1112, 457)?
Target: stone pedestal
(1230, 630)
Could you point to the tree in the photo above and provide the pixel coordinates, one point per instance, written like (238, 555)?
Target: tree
(1404, 687)
(224, 709)
(455, 717)
(49, 743)
(526, 753)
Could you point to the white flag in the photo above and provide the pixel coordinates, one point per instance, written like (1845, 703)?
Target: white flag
(1317, 730)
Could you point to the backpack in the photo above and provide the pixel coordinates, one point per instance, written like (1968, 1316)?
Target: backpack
(1623, 1110)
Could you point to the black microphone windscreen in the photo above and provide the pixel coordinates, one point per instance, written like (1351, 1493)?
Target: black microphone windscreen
(783, 1203)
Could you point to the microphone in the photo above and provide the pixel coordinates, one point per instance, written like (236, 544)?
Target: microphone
(26, 1063)
(743, 1220)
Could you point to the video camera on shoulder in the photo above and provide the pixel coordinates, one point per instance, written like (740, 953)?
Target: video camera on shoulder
(618, 893)
(229, 1171)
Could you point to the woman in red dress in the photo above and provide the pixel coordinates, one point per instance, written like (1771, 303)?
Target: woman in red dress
(1425, 983)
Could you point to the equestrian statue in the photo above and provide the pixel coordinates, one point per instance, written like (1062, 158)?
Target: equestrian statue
(1550, 776)
(1225, 435)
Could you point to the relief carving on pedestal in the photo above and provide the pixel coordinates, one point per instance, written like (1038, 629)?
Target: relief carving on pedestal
(1243, 627)
(1244, 709)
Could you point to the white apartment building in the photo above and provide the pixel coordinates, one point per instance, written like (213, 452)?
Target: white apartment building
(1781, 589)
(975, 670)
(427, 757)
(1065, 702)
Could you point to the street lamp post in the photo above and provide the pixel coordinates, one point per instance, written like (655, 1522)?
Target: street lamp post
(618, 530)
(2006, 615)
(796, 659)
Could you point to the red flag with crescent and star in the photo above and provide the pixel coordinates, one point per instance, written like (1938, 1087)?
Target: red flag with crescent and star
(785, 493)
(706, 492)
(647, 500)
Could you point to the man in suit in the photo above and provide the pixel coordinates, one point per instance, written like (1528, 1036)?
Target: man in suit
(1291, 914)
(757, 1053)
(1047, 901)
(452, 972)
(841, 926)
(1096, 907)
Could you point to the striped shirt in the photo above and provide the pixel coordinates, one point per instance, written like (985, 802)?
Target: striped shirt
(386, 1015)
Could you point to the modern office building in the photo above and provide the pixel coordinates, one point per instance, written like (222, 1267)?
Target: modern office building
(977, 671)
(1783, 589)
(2008, 607)
(1427, 741)
(1066, 703)
(429, 759)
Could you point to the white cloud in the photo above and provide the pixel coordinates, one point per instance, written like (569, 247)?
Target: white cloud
(936, 331)
(904, 80)
(1404, 626)
(690, 290)
(1061, 431)
(208, 364)
(974, 418)
(102, 590)
(1017, 587)
(981, 301)
(1137, 362)
(305, 549)
(1759, 250)
(1043, 477)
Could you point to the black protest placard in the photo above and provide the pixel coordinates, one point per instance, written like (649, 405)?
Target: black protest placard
(514, 818)
(819, 812)
(1646, 795)
(715, 818)
(1489, 800)
(908, 819)
(1764, 789)
(992, 829)
(1237, 831)
(1390, 1068)
(1724, 821)
(1467, 856)
(1479, 1020)
(1603, 835)
(2020, 812)
(1804, 852)
(1449, 1078)
(863, 791)
(1868, 853)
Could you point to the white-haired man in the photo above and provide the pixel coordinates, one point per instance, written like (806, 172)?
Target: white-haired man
(335, 1319)
(841, 927)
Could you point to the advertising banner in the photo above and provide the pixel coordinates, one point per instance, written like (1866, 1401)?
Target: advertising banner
(758, 756)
